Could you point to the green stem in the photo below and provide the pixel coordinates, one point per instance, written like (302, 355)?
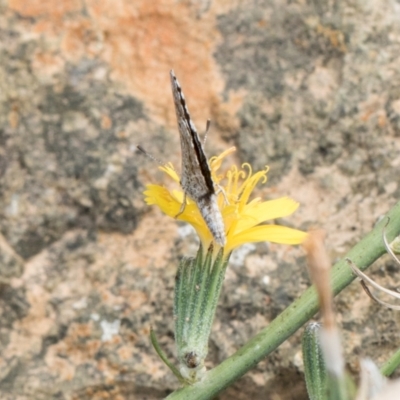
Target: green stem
(314, 365)
(164, 357)
(391, 364)
(290, 320)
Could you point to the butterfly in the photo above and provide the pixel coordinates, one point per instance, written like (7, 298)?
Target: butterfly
(196, 180)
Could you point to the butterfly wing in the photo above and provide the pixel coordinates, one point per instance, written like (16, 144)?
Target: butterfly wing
(196, 178)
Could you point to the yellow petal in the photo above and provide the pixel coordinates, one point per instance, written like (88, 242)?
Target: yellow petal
(256, 213)
(216, 162)
(169, 170)
(268, 233)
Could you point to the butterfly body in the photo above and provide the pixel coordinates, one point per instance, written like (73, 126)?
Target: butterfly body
(196, 179)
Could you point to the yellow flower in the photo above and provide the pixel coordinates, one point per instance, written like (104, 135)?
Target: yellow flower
(242, 218)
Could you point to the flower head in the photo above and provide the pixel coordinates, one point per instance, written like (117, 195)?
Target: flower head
(242, 217)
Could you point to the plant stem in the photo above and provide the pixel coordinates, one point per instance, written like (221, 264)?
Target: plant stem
(164, 357)
(391, 364)
(290, 320)
(314, 365)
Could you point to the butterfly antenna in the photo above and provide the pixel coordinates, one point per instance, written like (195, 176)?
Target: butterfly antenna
(140, 148)
(208, 124)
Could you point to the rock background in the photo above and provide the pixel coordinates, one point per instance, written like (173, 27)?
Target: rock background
(310, 88)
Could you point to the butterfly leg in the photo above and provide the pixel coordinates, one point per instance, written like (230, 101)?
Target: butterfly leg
(221, 190)
(183, 206)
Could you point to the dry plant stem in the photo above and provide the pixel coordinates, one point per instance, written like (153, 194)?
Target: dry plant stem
(365, 278)
(319, 267)
(289, 321)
